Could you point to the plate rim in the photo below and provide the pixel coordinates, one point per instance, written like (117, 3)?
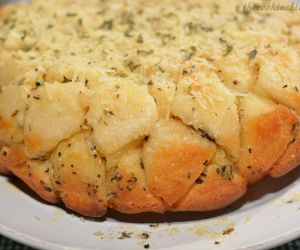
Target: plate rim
(45, 245)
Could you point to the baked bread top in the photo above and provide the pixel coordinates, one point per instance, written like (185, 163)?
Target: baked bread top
(148, 105)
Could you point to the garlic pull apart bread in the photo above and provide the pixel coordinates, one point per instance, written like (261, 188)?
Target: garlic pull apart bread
(147, 106)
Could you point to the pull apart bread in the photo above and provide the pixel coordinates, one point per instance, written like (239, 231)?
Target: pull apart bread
(147, 106)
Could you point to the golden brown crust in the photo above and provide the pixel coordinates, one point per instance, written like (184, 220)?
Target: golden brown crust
(32, 142)
(288, 161)
(88, 203)
(130, 196)
(13, 156)
(174, 169)
(5, 125)
(266, 137)
(6, 10)
(3, 165)
(174, 157)
(3, 160)
(127, 185)
(34, 174)
(212, 191)
(37, 180)
(77, 173)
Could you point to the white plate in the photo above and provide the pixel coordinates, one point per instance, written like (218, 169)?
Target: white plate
(267, 216)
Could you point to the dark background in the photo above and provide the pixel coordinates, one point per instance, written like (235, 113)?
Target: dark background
(6, 244)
